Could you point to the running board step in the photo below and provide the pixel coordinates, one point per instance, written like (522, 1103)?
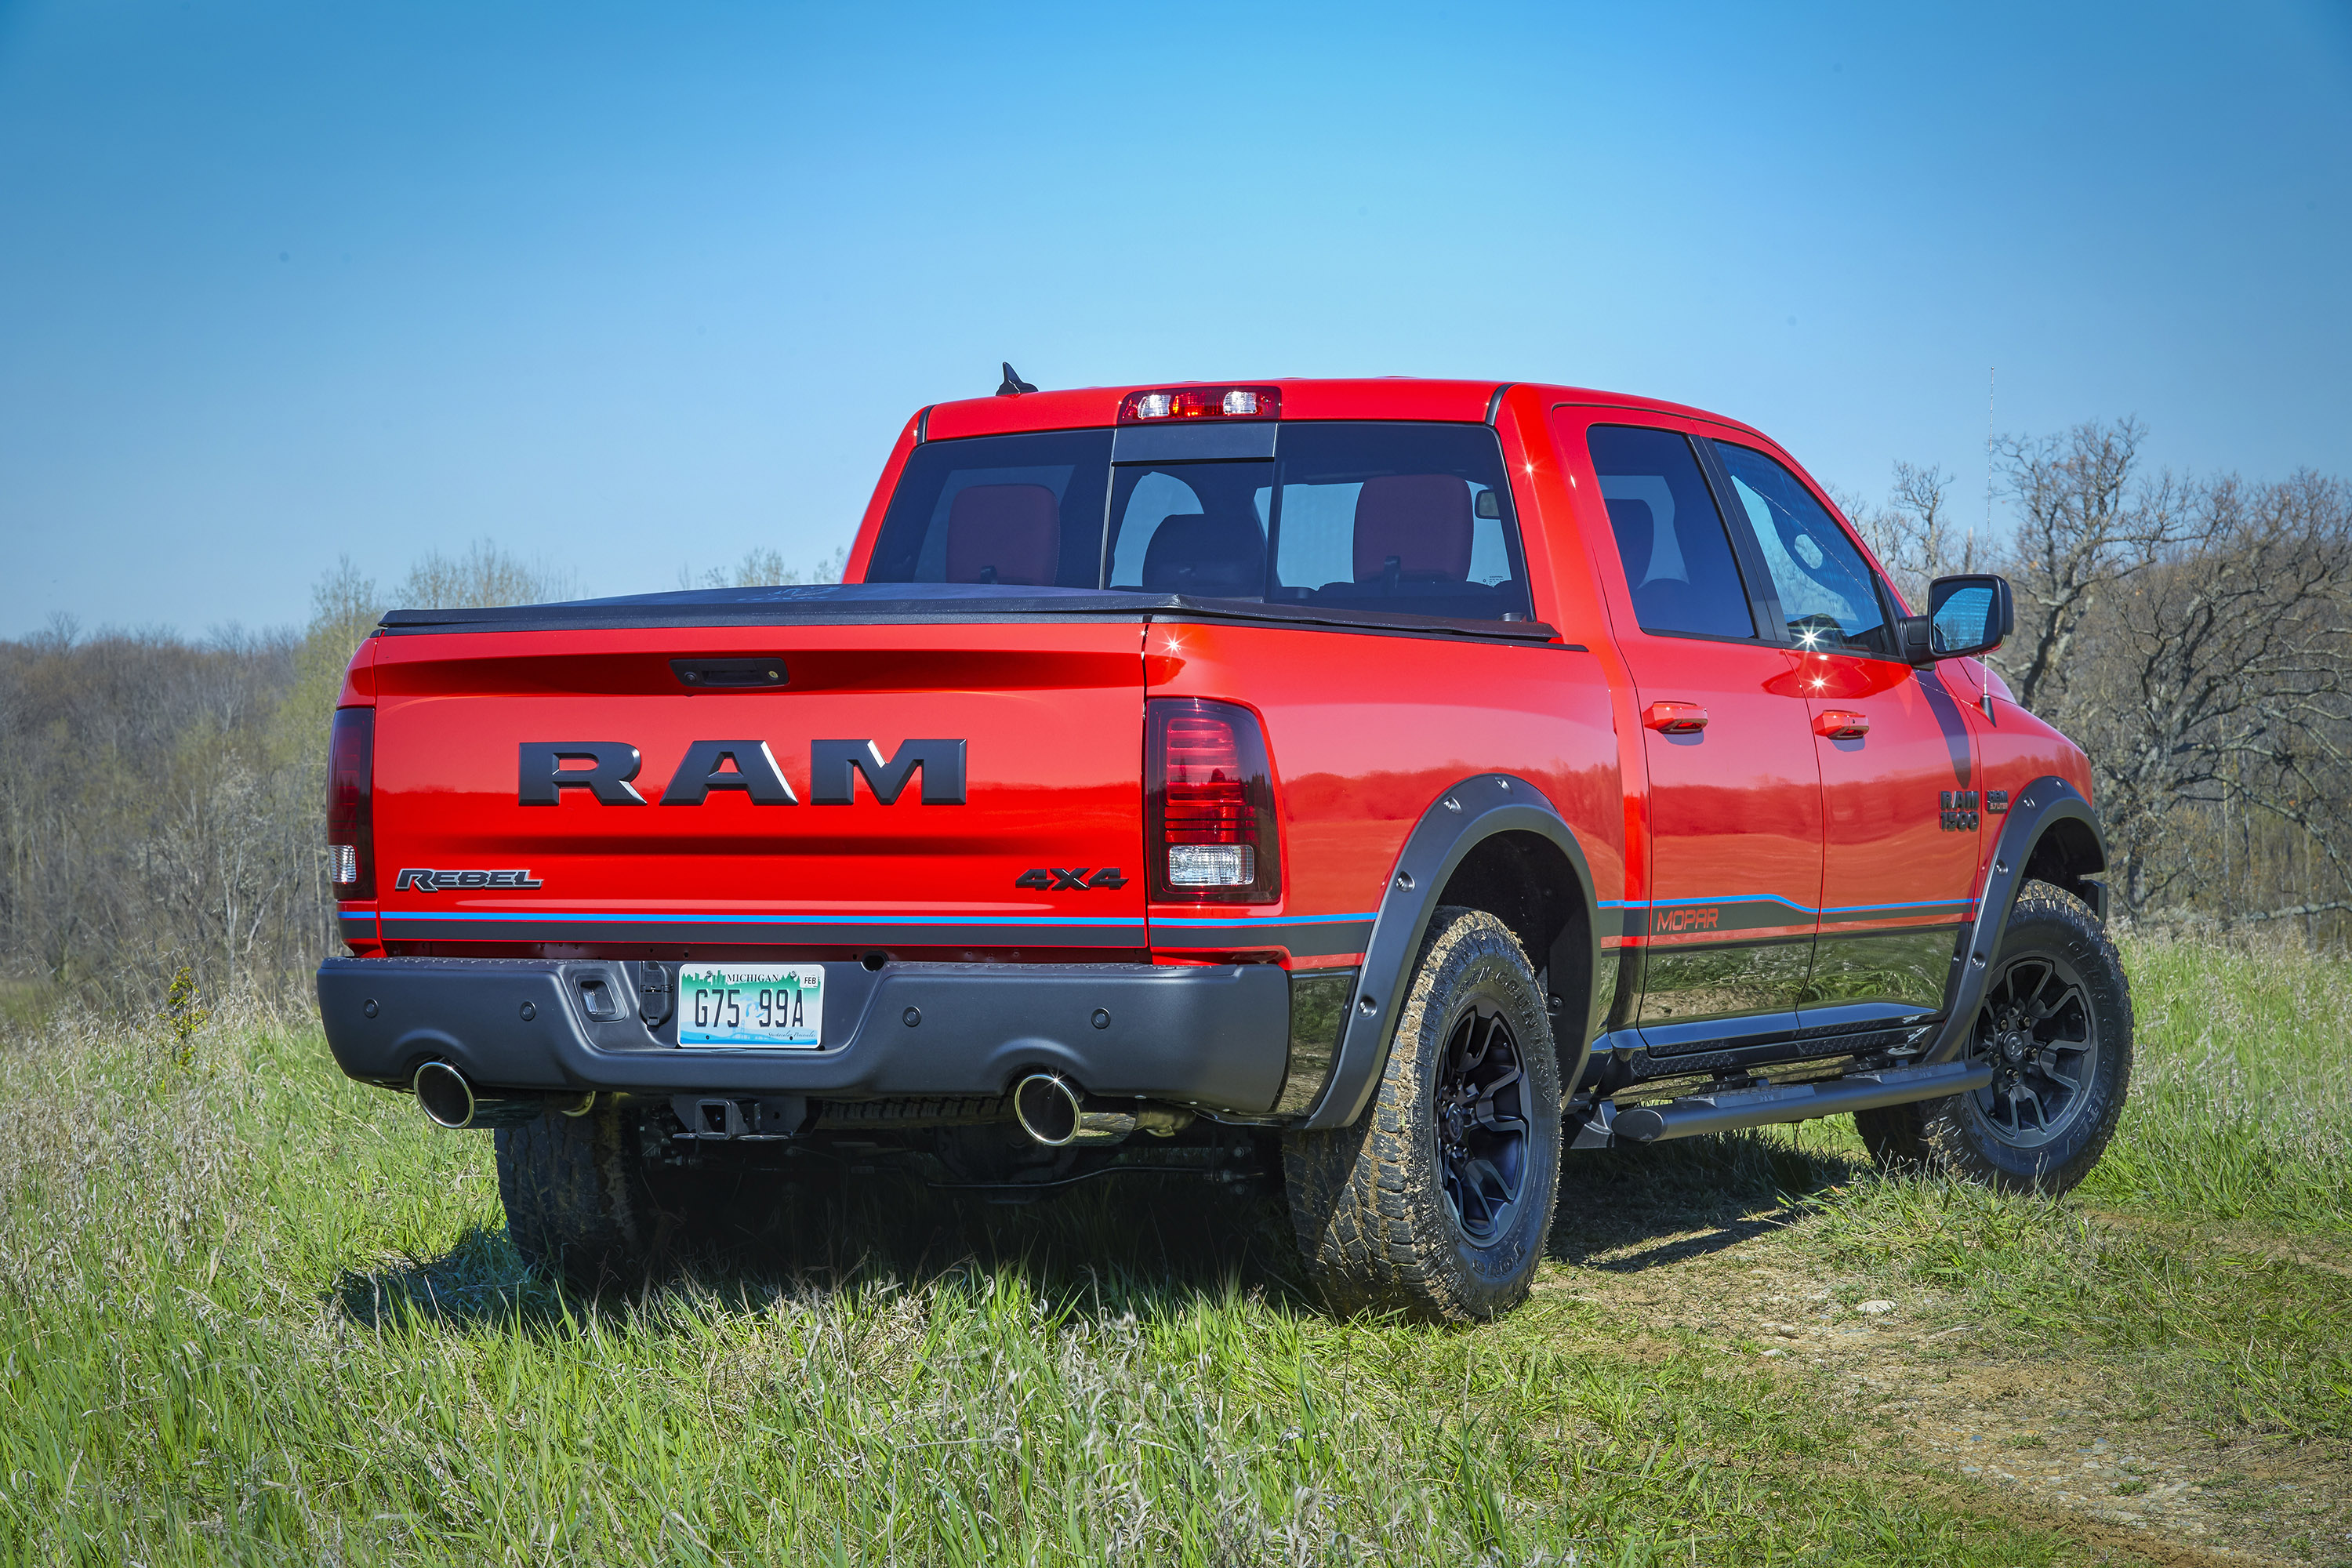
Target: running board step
(1735, 1108)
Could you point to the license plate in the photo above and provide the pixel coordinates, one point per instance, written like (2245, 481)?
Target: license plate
(781, 1006)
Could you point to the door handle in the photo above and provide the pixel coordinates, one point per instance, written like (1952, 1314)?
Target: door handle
(1675, 718)
(1835, 724)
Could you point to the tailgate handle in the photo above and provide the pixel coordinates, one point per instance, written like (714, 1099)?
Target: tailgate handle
(730, 674)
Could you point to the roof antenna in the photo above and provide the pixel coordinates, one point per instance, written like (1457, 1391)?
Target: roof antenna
(1014, 386)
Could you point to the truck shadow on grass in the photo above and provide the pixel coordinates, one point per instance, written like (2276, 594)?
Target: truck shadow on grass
(1152, 1245)
(479, 1282)
(1689, 1198)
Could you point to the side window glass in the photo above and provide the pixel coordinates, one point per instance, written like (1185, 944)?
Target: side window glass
(1825, 588)
(1677, 557)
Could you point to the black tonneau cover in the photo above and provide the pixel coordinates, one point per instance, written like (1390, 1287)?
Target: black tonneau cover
(930, 603)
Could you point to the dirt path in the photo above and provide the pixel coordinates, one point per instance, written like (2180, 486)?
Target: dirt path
(2069, 1443)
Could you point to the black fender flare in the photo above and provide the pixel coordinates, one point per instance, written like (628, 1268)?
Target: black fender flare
(1464, 815)
(2033, 812)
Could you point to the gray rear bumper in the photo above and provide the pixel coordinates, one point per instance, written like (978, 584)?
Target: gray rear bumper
(1216, 1038)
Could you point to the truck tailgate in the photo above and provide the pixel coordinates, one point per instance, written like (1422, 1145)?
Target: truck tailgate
(1039, 848)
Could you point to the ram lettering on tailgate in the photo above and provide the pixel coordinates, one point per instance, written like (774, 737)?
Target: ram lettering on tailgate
(746, 766)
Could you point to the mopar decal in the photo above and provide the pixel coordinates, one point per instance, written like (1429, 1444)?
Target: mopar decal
(606, 770)
(1675, 921)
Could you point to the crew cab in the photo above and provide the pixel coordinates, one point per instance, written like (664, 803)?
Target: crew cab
(1397, 785)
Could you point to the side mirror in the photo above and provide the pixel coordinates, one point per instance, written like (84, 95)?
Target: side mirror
(1965, 616)
(1970, 614)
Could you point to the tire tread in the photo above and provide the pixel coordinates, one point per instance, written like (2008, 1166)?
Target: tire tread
(1933, 1135)
(575, 1198)
(1366, 1201)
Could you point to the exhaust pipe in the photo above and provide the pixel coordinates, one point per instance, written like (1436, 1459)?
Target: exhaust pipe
(449, 1099)
(1057, 1112)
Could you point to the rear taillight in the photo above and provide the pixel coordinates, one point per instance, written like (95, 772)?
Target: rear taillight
(1201, 403)
(350, 803)
(1211, 811)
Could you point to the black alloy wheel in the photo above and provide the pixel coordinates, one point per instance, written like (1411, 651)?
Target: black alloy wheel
(1481, 1123)
(2055, 1025)
(1437, 1200)
(2039, 1031)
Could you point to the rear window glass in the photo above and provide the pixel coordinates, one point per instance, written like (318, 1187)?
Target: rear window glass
(1190, 528)
(1024, 511)
(1414, 519)
(1410, 518)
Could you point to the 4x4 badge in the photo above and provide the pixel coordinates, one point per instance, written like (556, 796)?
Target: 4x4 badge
(1055, 880)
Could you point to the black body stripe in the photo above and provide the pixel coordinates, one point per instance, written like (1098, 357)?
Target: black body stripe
(1306, 939)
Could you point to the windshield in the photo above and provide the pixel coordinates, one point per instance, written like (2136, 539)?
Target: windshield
(1408, 518)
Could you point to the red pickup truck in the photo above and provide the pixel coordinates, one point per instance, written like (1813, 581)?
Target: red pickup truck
(1393, 783)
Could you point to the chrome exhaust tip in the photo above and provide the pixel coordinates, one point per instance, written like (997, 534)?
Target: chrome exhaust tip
(1049, 1108)
(444, 1095)
(1057, 1112)
(449, 1099)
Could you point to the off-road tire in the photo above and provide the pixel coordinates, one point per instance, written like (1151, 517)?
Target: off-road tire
(577, 1199)
(1953, 1136)
(1369, 1203)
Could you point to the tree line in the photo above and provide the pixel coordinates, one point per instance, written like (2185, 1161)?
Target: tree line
(161, 799)
(2192, 633)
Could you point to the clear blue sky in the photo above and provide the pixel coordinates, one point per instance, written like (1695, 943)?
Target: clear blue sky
(629, 287)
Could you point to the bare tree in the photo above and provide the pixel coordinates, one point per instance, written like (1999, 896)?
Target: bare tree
(1914, 536)
(145, 821)
(2083, 523)
(483, 577)
(2218, 683)
(2195, 635)
(764, 567)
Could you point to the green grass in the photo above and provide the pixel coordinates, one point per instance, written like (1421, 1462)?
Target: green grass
(251, 1311)
(2235, 1150)
(2235, 1340)
(2241, 1096)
